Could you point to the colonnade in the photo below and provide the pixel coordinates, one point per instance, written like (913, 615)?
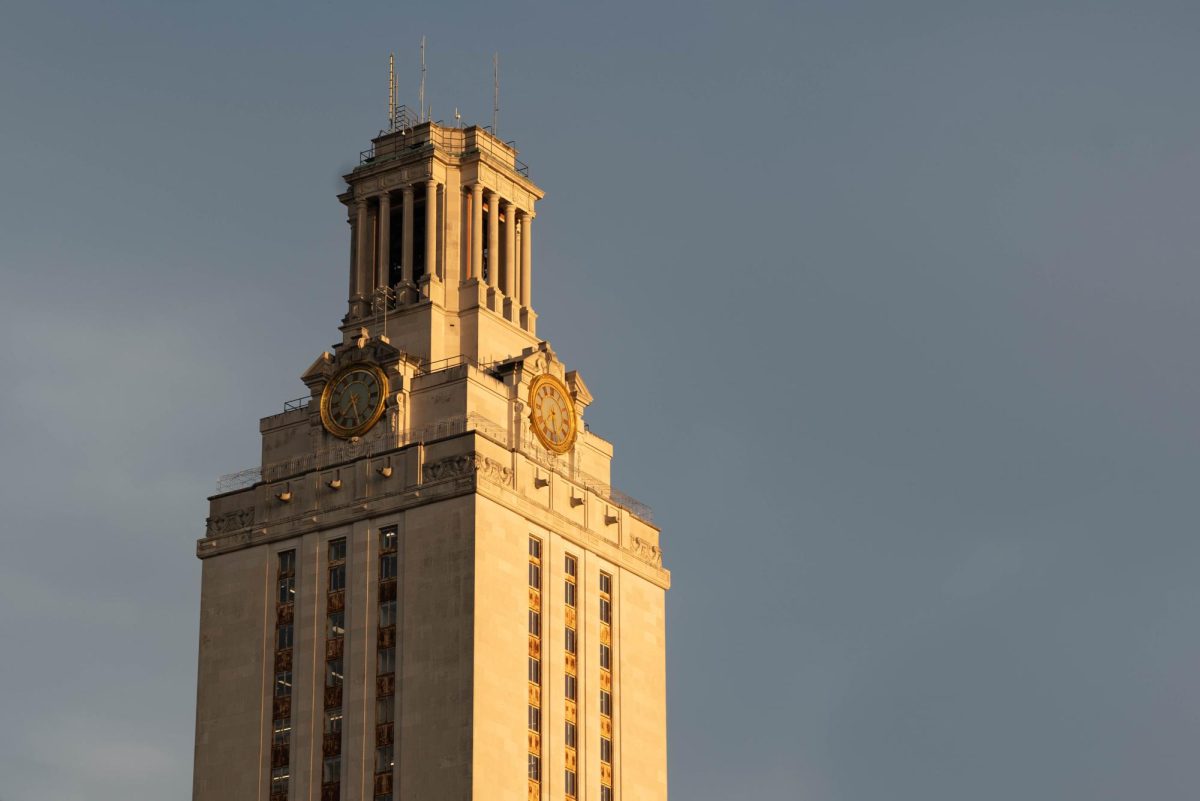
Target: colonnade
(507, 270)
(373, 258)
(504, 273)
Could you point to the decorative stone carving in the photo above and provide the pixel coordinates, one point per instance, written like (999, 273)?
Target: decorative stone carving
(646, 551)
(466, 464)
(230, 521)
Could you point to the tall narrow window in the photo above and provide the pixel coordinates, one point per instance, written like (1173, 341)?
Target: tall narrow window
(535, 671)
(335, 634)
(385, 665)
(606, 685)
(571, 668)
(281, 725)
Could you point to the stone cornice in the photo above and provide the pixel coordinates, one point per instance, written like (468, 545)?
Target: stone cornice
(452, 477)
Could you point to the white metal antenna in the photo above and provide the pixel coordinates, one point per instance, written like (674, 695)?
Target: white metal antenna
(391, 91)
(457, 118)
(495, 94)
(421, 99)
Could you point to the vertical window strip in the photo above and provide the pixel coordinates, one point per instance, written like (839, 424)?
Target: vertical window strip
(385, 675)
(606, 727)
(570, 778)
(279, 779)
(335, 671)
(535, 671)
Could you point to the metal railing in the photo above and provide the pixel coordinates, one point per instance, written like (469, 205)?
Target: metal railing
(296, 404)
(454, 141)
(455, 361)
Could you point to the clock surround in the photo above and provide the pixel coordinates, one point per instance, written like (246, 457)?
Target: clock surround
(353, 400)
(552, 413)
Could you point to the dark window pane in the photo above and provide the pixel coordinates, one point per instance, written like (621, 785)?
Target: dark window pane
(337, 578)
(385, 709)
(337, 550)
(333, 673)
(384, 761)
(387, 614)
(283, 637)
(387, 661)
(387, 539)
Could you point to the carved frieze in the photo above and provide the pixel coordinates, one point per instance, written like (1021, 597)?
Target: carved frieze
(230, 521)
(466, 464)
(646, 551)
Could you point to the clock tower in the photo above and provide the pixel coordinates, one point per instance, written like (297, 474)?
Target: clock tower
(429, 588)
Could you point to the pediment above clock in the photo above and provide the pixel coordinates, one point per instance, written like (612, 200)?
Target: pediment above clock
(534, 362)
(579, 390)
(360, 348)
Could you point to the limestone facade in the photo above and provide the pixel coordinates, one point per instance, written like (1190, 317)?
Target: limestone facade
(453, 474)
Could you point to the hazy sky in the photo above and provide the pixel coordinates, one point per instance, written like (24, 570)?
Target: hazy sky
(890, 310)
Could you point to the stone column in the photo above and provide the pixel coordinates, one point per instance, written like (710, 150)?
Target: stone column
(431, 217)
(493, 265)
(352, 221)
(526, 252)
(362, 265)
(406, 253)
(510, 250)
(477, 231)
(385, 239)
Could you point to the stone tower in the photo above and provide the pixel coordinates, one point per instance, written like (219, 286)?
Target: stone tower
(429, 589)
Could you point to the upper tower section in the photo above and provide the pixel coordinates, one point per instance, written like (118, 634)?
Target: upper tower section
(441, 222)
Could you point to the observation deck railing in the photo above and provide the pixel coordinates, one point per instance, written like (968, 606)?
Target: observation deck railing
(350, 451)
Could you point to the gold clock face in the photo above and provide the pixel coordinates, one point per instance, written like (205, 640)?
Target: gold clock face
(353, 400)
(552, 414)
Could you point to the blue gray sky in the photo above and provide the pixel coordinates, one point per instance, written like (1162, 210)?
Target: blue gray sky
(889, 309)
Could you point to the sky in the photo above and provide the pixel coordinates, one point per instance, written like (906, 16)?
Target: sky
(889, 310)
